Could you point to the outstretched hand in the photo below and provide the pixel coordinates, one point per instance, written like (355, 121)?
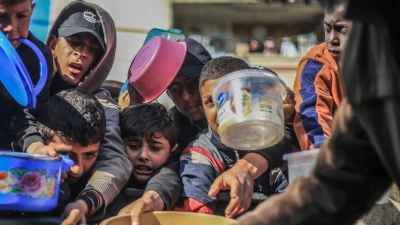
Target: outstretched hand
(241, 190)
(150, 201)
(135, 97)
(289, 105)
(74, 213)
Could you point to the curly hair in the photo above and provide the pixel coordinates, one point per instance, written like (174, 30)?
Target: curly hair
(219, 67)
(146, 119)
(75, 117)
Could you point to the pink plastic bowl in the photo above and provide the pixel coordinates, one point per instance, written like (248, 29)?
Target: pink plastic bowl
(155, 66)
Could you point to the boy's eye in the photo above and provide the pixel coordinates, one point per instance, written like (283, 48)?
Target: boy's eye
(208, 102)
(90, 155)
(327, 29)
(155, 148)
(21, 16)
(174, 90)
(134, 146)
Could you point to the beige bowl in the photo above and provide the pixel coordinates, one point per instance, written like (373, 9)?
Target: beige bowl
(171, 218)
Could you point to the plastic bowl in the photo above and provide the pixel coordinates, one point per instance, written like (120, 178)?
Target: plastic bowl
(30, 182)
(155, 66)
(14, 75)
(170, 218)
(250, 111)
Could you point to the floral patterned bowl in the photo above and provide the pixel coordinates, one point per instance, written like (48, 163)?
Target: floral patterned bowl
(30, 182)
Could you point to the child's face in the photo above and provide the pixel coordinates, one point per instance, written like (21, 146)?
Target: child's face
(84, 157)
(147, 155)
(15, 19)
(210, 108)
(75, 55)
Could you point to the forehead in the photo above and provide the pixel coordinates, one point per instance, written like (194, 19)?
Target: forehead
(59, 143)
(208, 87)
(19, 6)
(157, 136)
(335, 14)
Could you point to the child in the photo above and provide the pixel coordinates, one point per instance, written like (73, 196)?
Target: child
(207, 157)
(73, 123)
(18, 129)
(83, 41)
(150, 136)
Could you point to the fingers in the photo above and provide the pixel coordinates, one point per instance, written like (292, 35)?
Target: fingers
(136, 212)
(217, 185)
(63, 177)
(73, 218)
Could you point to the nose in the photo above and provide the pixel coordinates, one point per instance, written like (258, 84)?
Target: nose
(77, 168)
(143, 155)
(82, 51)
(334, 38)
(187, 94)
(7, 25)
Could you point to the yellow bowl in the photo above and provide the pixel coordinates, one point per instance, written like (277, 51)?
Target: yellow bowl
(170, 218)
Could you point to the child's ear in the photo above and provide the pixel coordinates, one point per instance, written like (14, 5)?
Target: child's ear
(174, 148)
(53, 42)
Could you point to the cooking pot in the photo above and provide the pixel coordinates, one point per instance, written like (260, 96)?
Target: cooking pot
(30, 182)
(250, 109)
(155, 66)
(14, 75)
(170, 218)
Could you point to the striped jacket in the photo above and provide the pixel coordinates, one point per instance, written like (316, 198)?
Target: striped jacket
(204, 160)
(318, 93)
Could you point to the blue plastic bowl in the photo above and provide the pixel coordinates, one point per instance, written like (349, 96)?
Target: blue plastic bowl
(14, 75)
(30, 182)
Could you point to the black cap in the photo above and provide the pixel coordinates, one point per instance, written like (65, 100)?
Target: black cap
(79, 22)
(196, 57)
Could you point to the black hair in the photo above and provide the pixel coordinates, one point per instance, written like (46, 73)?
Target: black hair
(219, 67)
(146, 119)
(13, 2)
(74, 116)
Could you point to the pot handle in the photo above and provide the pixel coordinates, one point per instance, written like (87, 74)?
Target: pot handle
(66, 163)
(43, 66)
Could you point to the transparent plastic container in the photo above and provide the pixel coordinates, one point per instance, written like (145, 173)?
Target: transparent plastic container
(171, 34)
(250, 111)
(300, 164)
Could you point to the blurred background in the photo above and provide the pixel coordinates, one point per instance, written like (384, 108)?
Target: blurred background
(270, 33)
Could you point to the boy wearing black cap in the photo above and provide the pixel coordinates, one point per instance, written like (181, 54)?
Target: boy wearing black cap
(83, 42)
(17, 123)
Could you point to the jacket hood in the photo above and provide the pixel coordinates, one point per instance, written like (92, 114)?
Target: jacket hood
(320, 53)
(95, 78)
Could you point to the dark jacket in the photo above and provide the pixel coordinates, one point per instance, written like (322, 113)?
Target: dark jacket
(18, 123)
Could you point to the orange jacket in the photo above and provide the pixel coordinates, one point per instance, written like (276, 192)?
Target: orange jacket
(318, 93)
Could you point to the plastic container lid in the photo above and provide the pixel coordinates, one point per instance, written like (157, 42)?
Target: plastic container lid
(14, 75)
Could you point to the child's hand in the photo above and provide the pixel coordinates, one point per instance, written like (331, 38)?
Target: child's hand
(150, 201)
(74, 213)
(289, 106)
(135, 97)
(123, 99)
(241, 186)
(41, 149)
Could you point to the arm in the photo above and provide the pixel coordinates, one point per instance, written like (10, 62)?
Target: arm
(112, 168)
(346, 172)
(318, 91)
(198, 168)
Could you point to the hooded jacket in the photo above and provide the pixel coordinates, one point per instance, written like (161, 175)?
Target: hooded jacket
(112, 168)
(318, 93)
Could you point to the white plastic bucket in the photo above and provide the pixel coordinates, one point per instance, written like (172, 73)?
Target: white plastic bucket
(250, 111)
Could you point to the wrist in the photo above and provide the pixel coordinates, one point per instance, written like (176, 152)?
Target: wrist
(91, 199)
(253, 164)
(32, 147)
(82, 206)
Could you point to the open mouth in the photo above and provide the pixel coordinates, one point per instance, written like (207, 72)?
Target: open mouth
(75, 68)
(142, 169)
(334, 53)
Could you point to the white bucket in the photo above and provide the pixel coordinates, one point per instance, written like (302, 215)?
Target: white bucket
(250, 111)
